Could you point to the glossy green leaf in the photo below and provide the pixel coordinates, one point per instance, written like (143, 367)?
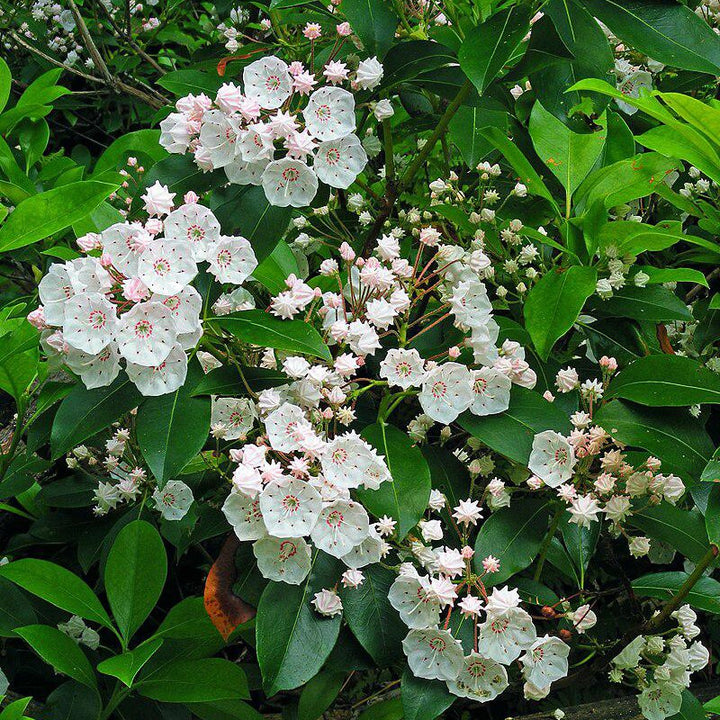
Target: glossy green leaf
(466, 126)
(554, 303)
(424, 699)
(293, 641)
(662, 380)
(654, 304)
(373, 21)
(683, 530)
(705, 594)
(511, 433)
(59, 650)
(135, 574)
(405, 498)
(712, 515)
(569, 155)
(126, 666)
(674, 436)
(58, 586)
(265, 330)
(318, 695)
(199, 680)
(141, 142)
(667, 31)
(173, 428)
(47, 213)
(512, 535)
(371, 617)
(84, 413)
(488, 47)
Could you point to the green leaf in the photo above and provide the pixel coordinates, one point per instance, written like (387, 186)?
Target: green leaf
(691, 708)
(46, 213)
(705, 594)
(5, 84)
(200, 680)
(135, 575)
(226, 380)
(58, 586)
(372, 619)
(191, 81)
(554, 303)
(15, 610)
(73, 701)
(276, 267)
(671, 435)
(405, 498)
(224, 710)
(466, 125)
(373, 21)
(84, 413)
(405, 61)
(140, 142)
(683, 530)
(19, 356)
(488, 47)
(665, 30)
(318, 695)
(521, 165)
(265, 330)
(424, 699)
(245, 211)
(512, 535)
(511, 433)
(592, 57)
(654, 304)
(125, 667)
(391, 709)
(293, 641)
(712, 515)
(570, 156)
(172, 429)
(60, 651)
(662, 275)
(624, 180)
(661, 380)
(580, 543)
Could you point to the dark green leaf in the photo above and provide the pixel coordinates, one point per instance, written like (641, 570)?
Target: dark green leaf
(318, 695)
(705, 594)
(135, 575)
(260, 328)
(405, 498)
(424, 699)
(661, 380)
(554, 303)
(293, 641)
(671, 435)
(488, 47)
(373, 21)
(373, 621)
(59, 650)
(511, 433)
(84, 413)
(512, 535)
(683, 530)
(58, 586)
(654, 303)
(667, 31)
(201, 680)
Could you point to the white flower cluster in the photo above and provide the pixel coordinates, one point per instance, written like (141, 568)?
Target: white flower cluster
(297, 488)
(506, 634)
(130, 298)
(244, 130)
(662, 666)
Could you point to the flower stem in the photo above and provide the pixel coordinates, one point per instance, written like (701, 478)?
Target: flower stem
(546, 542)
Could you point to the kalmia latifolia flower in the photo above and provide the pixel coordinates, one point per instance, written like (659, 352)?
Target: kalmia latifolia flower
(261, 135)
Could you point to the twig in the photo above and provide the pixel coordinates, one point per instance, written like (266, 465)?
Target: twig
(97, 58)
(130, 40)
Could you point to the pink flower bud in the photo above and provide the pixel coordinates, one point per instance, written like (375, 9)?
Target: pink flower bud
(454, 352)
(37, 318)
(190, 198)
(135, 289)
(344, 29)
(609, 363)
(549, 396)
(154, 226)
(347, 253)
(467, 552)
(105, 260)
